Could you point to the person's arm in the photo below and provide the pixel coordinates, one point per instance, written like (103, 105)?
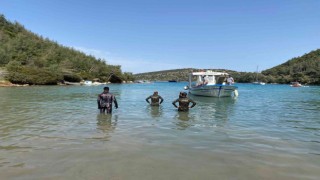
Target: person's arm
(115, 102)
(193, 103)
(174, 103)
(161, 99)
(148, 99)
(98, 101)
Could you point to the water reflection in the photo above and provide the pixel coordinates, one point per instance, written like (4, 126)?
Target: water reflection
(183, 116)
(215, 111)
(106, 123)
(209, 112)
(184, 120)
(155, 111)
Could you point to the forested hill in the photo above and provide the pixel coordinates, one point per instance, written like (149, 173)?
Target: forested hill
(166, 75)
(174, 74)
(305, 69)
(31, 59)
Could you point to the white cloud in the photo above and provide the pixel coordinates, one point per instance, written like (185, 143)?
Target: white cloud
(93, 52)
(129, 65)
(140, 66)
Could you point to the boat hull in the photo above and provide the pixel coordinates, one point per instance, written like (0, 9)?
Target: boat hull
(214, 90)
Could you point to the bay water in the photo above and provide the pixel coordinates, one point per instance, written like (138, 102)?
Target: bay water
(57, 132)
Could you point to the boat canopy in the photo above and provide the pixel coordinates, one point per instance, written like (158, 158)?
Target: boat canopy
(207, 78)
(209, 73)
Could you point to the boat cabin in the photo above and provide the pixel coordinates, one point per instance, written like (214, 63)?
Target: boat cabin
(197, 79)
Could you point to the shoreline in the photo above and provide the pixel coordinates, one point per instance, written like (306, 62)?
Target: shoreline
(9, 84)
(5, 83)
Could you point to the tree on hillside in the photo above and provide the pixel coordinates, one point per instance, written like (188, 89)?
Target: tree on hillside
(27, 55)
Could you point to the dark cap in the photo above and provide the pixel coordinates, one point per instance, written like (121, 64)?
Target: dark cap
(106, 88)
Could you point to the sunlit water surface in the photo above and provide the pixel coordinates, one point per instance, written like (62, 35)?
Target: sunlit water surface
(56, 132)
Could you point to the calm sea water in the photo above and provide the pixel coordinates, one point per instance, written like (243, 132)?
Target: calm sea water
(56, 132)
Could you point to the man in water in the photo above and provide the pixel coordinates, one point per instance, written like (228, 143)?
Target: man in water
(105, 100)
(183, 102)
(155, 98)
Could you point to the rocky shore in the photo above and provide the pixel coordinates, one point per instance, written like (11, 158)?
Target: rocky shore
(4, 83)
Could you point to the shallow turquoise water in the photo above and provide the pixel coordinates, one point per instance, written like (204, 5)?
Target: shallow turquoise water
(56, 132)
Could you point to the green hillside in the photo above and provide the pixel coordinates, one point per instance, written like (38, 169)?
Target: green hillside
(31, 59)
(174, 74)
(305, 69)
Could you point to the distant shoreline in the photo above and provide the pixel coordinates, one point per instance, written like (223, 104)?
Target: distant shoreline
(9, 84)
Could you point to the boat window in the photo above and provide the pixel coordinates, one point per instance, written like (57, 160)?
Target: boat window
(199, 81)
(221, 79)
(212, 80)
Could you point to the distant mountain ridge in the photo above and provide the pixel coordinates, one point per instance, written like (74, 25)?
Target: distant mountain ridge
(173, 74)
(305, 69)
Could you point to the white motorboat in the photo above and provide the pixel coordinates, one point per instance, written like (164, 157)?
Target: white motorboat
(295, 84)
(87, 83)
(259, 83)
(90, 83)
(210, 83)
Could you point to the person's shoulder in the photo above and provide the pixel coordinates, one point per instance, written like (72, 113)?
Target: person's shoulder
(110, 94)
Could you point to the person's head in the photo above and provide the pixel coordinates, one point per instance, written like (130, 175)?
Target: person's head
(106, 89)
(155, 93)
(184, 94)
(180, 94)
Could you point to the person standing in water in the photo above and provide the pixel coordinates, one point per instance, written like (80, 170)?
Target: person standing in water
(105, 100)
(156, 99)
(183, 102)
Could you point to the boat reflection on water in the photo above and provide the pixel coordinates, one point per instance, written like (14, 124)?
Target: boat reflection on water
(213, 111)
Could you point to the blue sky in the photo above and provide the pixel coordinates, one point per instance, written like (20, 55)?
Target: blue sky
(149, 35)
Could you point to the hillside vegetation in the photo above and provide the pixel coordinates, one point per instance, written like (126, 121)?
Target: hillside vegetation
(183, 75)
(31, 59)
(305, 69)
(174, 74)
